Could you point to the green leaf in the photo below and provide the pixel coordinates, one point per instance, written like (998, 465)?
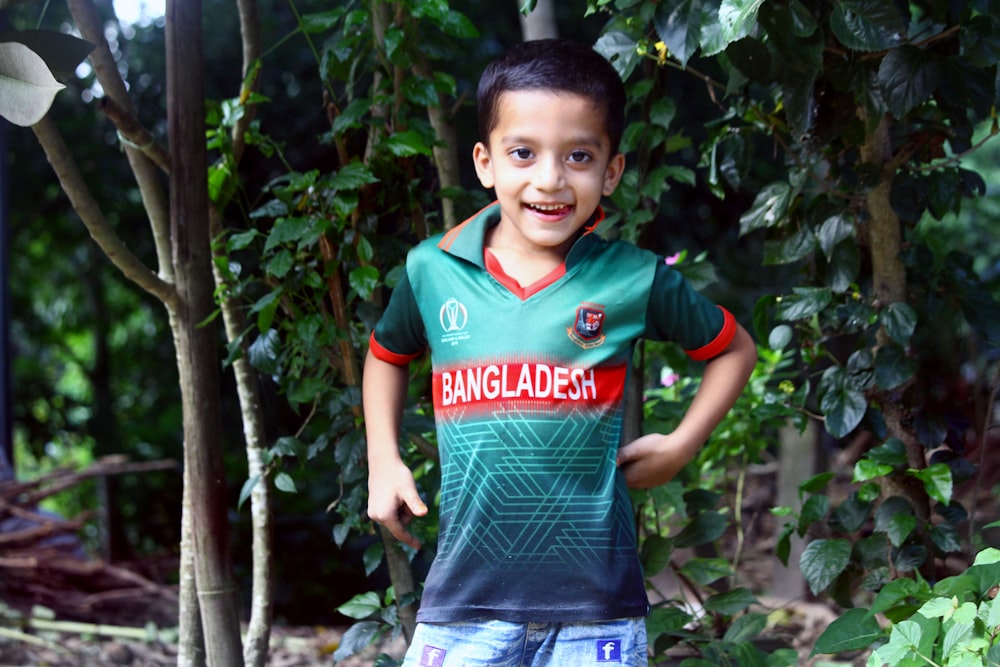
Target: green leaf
(730, 602)
(620, 50)
(322, 21)
(980, 309)
(939, 607)
(769, 209)
(866, 469)
(800, 101)
(891, 452)
(851, 514)
(790, 249)
(937, 481)
(738, 18)
(900, 321)
(979, 39)
(843, 409)
(263, 352)
(241, 240)
(900, 527)
(993, 617)
(892, 367)
(27, 87)
(364, 280)
(802, 21)
(407, 144)
(704, 528)
(294, 230)
(803, 302)
(908, 77)
(780, 337)
(897, 591)
(678, 25)
(822, 562)
(655, 554)
(888, 518)
(280, 264)
(265, 308)
(813, 510)
(247, 489)
(816, 483)
(352, 176)
(853, 630)
(706, 571)
(372, 557)
(665, 620)
(988, 556)
(363, 605)
(835, 229)
(351, 116)
(867, 25)
(357, 638)
(284, 482)
(745, 628)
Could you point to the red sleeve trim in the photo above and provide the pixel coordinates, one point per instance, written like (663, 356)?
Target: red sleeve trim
(384, 354)
(721, 342)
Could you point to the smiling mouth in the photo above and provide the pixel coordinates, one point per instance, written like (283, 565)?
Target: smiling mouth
(550, 209)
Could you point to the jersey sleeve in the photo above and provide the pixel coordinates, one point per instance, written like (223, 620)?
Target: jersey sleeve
(678, 313)
(399, 337)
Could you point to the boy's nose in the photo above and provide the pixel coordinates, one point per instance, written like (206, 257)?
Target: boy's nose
(548, 174)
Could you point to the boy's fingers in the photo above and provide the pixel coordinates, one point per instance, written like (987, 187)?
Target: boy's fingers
(416, 505)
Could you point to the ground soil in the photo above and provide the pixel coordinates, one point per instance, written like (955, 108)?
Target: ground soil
(796, 620)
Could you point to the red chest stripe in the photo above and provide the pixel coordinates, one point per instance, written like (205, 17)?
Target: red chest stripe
(527, 384)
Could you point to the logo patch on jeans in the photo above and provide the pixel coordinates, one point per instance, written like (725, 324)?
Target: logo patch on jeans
(609, 650)
(432, 656)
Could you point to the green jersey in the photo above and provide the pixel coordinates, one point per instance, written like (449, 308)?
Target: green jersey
(528, 387)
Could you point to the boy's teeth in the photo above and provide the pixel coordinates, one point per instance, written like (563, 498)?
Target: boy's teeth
(549, 207)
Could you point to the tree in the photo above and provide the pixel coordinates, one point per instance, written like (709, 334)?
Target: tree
(874, 105)
(183, 286)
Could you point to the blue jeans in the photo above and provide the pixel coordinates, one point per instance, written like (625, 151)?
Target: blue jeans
(486, 643)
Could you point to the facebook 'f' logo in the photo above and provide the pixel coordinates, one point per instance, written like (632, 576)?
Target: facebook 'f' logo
(432, 656)
(609, 650)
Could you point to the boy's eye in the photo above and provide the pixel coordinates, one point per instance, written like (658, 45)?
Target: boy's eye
(521, 153)
(579, 156)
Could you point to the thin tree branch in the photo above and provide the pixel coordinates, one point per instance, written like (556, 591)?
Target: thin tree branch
(134, 134)
(89, 210)
(147, 174)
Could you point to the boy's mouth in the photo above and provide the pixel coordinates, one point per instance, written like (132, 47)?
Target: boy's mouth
(550, 209)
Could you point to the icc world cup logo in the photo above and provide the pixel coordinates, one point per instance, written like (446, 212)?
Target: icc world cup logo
(453, 316)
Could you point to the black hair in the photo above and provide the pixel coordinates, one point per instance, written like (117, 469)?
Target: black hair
(558, 65)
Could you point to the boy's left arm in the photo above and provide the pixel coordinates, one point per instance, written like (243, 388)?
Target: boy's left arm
(654, 459)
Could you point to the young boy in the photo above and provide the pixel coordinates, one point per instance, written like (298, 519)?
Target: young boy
(531, 319)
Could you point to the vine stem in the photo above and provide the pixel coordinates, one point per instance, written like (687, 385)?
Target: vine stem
(983, 441)
(738, 513)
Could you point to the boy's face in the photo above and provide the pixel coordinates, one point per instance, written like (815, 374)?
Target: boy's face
(550, 160)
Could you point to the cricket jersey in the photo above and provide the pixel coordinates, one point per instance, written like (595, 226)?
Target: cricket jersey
(528, 384)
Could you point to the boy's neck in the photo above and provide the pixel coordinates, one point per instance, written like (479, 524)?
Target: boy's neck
(526, 266)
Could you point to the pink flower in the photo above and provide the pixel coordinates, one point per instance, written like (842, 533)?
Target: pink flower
(669, 379)
(672, 259)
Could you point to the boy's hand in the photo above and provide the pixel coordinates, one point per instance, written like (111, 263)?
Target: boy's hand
(393, 501)
(654, 459)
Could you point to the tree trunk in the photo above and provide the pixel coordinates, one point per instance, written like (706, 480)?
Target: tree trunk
(889, 286)
(258, 634)
(540, 23)
(197, 352)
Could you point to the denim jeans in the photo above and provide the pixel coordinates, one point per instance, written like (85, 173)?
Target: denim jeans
(487, 643)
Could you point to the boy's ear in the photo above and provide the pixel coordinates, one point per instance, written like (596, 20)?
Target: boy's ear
(613, 173)
(484, 164)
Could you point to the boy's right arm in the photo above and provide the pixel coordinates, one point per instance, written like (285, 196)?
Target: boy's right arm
(392, 493)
